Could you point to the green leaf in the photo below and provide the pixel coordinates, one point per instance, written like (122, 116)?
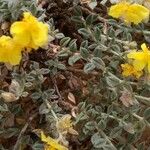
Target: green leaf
(78, 19)
(81, 117)
(30, 78)
(84, 52)
(73, 45)
(116, 48)
(102, 124)
(92, 46)
(82, 106)
(97, 52)
(43, 109)
(115, 132)
(7, 133)
(74, 59)
(44, 71)
(99, 63)
(98, 109)
(98, 141)
(90, 125)
(112, 81)
(111, 32)
(4, 108)
(89, 67)
(63, 53)
(64, 42)
(11, 3)
(91, 18)
(59, 35)
(37, 146)
(92, 112)
(84, 44)
(36, 95)
(129, 37)
(78, 11)
(84, 32)
(97, 33)
(61, 66)
(147, 114)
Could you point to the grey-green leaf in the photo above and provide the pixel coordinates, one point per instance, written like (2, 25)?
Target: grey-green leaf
(89, 67)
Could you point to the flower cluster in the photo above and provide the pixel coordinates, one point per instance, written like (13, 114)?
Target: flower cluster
(64, 125)
(129, 70)
(29, 33)
(141, 61)
(9, 51)
(141, 58)
(130, 13)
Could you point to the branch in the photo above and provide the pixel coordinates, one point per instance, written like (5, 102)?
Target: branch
(16, 147)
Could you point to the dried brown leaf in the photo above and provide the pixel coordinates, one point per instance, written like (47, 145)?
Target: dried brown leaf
(126, 98)
(8, 97)
(9, 121)
(71, 98)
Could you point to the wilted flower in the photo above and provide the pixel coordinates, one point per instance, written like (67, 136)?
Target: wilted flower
(10, 52)
(130, 13)
(141, 58)
(64, 125)
(30, 32)
(126, 98)
(51, 144)
(129, 70)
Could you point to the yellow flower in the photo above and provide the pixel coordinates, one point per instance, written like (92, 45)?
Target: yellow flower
(10, 52)
(29, 32)
(129, 12)
(141, 58)
(51, 144)
(129, 70)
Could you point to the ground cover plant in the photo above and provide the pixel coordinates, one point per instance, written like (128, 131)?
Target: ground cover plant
(74, 75)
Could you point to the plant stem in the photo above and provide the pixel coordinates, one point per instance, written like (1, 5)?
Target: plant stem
(105, 137)
(143, 99)
(49, 107)
(146, 32)
(16, 147)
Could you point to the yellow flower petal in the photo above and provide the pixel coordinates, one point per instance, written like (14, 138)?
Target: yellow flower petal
(52, 143)
(40, 35)
(30, 33)
(130, 13)
(28, 17)
(118, 10)
(137, 13)
(137, 74)
(129, 70)
(19, 31)
(136, 55)
(141, 58)
(10, 52)
(144, 47)
(139, 65)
